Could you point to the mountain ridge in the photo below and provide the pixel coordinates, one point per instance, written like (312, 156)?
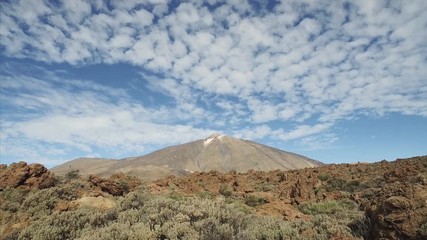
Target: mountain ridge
(217, 152)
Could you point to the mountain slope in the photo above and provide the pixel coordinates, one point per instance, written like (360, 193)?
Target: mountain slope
(217, 152)
(86, 166)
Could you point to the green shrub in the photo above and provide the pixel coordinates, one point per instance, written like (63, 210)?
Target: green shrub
(72, 174)
(329, 207)
(335, 184)
(353, 185)
(323, 177)
(423, 230)
(225, 190)
(360, 227)
(67, 225)
(266, 187)
(335, 218)
(42, 202)
(253, 200)
(206, 195)
(124, 185)
(268, 228)
(133, 200)
(176, 196)
(343, 185)
(117, 231)
(11, 199)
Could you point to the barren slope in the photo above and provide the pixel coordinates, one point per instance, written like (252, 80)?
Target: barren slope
(217, 152)
(86, 166)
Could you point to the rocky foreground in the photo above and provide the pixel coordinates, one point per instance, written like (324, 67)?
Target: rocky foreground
(384, 200)
(392, 195)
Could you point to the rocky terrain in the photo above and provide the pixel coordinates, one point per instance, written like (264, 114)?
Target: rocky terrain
(21, 175)
(216, 152)
(383, 200)
(393, 195)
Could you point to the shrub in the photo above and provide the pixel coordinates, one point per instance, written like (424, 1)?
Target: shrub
(266, 187)
(42, 202)
(124, 185)
(133, 200)
(343, 185)
(67, 225)
(335, 184)
(72, 174)
(225, 190)
(252, 200)
(323, 177)
(11, 199)
(329, 207)
(353, 185)
(423, 230)
(119, 231)
(205, 195)
(360, 227)
(268, 228)
(343, 219)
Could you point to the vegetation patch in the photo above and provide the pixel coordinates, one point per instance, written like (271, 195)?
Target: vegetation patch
(225, 190)
(343, 185)
(253, 200)
(329, 207)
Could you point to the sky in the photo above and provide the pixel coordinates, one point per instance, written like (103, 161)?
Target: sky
(336, 81)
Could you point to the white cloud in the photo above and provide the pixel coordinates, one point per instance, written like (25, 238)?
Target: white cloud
(318, 142)
(303, 60)
(303, 131)
(76, 11)
(78, 115)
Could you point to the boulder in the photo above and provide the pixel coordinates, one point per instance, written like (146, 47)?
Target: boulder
(398, 211)
(106, 185)
(303, 191)
(22, 175)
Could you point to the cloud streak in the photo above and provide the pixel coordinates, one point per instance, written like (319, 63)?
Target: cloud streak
(52, 115)
(302, 64)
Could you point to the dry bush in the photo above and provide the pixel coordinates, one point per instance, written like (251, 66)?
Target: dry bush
(68, 225)
(268, 228)
(11, 199)
(41, 202)
(334, 218)
(140, 215)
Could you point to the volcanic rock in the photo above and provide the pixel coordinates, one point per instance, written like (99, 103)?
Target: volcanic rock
(397, 211)
(106, 185)
(22, 175)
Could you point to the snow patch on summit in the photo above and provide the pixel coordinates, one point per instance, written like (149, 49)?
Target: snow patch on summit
(211, 138)
(207, 141)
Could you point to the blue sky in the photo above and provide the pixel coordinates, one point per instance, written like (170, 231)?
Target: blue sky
(337, 81)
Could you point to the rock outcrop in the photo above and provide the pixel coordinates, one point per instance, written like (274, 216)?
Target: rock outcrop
(397, 211)
(106, 185)
(25, 176)
(399, 208)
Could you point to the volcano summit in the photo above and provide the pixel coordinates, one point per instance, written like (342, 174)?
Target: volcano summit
(216, 153)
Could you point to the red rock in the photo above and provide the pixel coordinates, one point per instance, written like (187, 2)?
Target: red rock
(397, 211)
(21, 175)
(106, 185)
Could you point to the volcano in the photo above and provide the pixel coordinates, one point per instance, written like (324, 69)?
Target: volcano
(216, 153)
